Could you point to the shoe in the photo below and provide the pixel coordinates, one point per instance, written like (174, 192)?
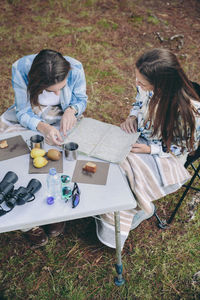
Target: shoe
(55, 229)
(141, 216)
(37, 237)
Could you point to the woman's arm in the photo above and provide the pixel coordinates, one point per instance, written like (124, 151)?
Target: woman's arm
(79, 96)
(130, 125)
(68, 120)
(141, 100)
(141, 148)
(152, 148)
(52, 135)
(24, 112)
(78, 102)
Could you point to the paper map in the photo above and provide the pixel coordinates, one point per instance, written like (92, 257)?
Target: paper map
(102, 140)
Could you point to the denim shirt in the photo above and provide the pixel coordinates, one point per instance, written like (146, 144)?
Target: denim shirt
(73, 94)
(140, 110)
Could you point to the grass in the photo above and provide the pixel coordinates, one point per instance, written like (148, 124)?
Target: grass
(107, 37)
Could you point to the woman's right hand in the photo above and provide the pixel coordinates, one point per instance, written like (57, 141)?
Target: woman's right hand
(130, 125)
(52, 135)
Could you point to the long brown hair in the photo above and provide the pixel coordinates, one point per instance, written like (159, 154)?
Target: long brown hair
(171, 101)
(49, 67)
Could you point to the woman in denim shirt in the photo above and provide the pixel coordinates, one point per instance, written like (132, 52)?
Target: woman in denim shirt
(48, 79)
(48, 88)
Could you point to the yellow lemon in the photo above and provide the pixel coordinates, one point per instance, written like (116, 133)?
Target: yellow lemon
(40, 162)
(35, 152)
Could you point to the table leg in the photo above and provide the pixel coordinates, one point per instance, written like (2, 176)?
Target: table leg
(119, 268)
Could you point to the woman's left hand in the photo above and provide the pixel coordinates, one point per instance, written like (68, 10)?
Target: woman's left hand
(141, 148)
(68, 120)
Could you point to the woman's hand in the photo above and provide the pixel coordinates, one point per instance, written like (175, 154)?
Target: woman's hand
(141, 148)
(52, 135)
(68, 120)
(130, 125)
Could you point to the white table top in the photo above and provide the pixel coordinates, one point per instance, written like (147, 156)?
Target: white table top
(95, 199)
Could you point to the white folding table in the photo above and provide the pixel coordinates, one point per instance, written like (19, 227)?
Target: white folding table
(95, 199)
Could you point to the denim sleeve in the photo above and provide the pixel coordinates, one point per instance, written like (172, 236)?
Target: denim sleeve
(79, 97)
(24, 112)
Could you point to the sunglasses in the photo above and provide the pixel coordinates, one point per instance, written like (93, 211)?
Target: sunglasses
(75, 195)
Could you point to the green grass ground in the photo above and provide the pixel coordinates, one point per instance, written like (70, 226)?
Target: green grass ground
(107, 37)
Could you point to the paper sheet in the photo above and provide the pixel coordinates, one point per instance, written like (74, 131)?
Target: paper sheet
(102, 140)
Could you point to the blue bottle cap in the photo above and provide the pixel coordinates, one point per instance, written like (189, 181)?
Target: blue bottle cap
(50, 200)
(52, 171)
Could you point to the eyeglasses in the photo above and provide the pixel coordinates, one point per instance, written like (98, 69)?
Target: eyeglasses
(75, 195)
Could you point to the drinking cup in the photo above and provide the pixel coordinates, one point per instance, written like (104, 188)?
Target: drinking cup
(70, 151)
(36, 141)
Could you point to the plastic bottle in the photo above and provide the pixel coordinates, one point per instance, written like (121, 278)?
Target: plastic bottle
(53, 186)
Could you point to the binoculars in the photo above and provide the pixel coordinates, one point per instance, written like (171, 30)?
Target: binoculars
(7, 185)
(22, 194)
(18, 196)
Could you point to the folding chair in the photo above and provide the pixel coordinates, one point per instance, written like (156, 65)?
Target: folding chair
(191, 159)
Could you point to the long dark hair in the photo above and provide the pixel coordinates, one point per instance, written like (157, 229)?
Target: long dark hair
(49, 67)
(171, 101)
